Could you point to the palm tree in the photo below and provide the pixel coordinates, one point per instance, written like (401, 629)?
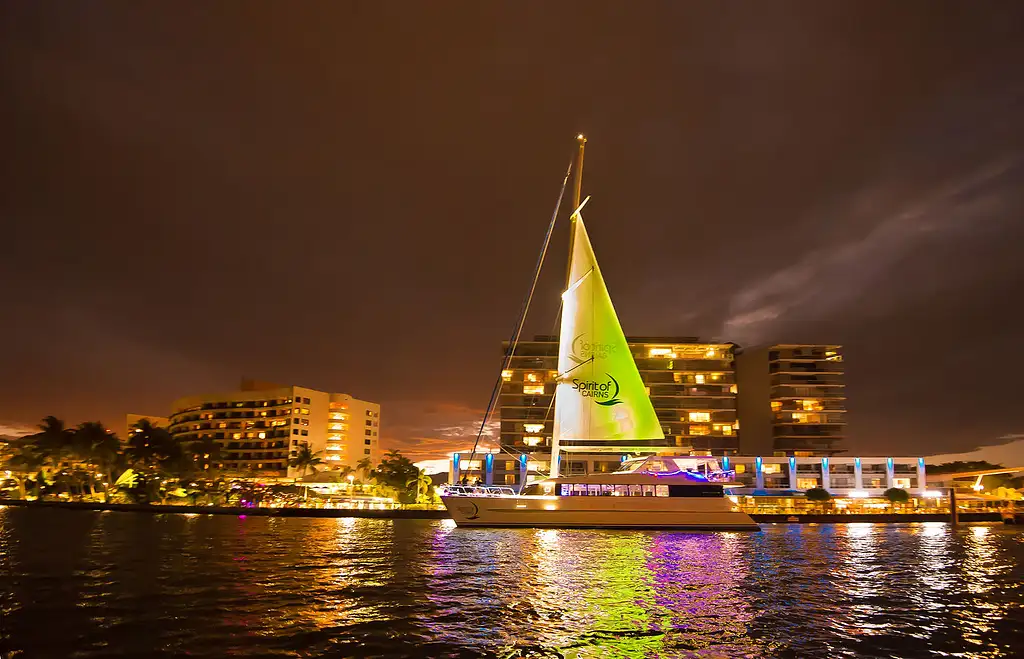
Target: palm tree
(91, 443)
(205, 454)
(25, 462)
(424, 486)
(108, 460)
(365, 467)
(53, 440)
(305, 459)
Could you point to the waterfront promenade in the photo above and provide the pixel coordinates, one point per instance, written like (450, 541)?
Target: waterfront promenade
(435, 513)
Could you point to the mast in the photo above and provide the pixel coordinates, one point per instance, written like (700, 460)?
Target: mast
(577, 186)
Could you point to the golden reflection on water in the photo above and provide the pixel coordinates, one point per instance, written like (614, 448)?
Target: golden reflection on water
(215, 586)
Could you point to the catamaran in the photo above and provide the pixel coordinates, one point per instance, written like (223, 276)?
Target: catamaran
(601, 404)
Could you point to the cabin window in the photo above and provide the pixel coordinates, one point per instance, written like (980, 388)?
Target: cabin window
(648, 490)
(621, 491)
(636, 490)
(607, 490)
(579, 489)
(594, 490)
(566, 489)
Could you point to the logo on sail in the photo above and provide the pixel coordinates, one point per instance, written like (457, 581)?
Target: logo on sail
(603, 393)
(582, 350)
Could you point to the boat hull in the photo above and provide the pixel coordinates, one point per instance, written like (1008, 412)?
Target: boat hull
(697, 514)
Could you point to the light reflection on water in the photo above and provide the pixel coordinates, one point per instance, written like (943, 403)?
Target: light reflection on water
(126, 585)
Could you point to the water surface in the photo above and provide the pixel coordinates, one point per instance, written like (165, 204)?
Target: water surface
(90, 584)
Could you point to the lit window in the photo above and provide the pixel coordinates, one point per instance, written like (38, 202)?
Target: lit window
(262, 435)
(647, 390)
(661, 352)
(532, 377)
(740, 468)
(699, 378)
(305, 410)
(710, 354)
(811, 405)
(806, 483)
(236, 435)
(296, 410)
(532, 441)
(734, 389)
(700, 430)
(799, 417)
(533, 389)
(506, 376)
(776, 405)
(334, 458)
(772, 468)
(700, 417)
(533, 427)
(727, 430)
(716, 376)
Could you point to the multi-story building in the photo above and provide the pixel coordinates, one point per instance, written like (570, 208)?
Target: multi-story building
(691, 383)
(793, 400)
(262, 426)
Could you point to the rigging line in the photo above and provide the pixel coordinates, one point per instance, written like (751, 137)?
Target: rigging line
(522, 315)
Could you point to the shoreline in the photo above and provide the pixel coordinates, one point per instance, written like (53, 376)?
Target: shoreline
(398, 513)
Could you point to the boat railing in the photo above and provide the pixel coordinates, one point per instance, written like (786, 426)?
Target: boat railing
(478, 491)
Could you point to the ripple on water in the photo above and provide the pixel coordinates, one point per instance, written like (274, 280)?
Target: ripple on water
(125, 585)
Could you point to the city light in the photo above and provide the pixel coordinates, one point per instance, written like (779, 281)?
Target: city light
(858, 494)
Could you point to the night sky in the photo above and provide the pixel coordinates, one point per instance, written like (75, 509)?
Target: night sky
(351, 196)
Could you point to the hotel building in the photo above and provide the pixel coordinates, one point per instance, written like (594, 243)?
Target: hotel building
(793, 400)
(691, 383)
(262, 426)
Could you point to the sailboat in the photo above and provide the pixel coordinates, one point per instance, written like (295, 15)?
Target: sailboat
(601, 403)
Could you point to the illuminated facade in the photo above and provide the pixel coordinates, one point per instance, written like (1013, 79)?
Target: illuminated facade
(856, 477)
(260, 428)
(794, 399)
(691, 383)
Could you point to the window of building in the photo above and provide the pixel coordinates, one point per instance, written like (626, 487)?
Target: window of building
(305, 410)
(366, 451)
(532, 440)
(776, 405)
(305, 432)
(295, 431)
(725, 429)
(369, 423)
(699, 378)
(700, 417)
(366, 441)
(811, 405)
(506, 376)
(740, 468)
(368, 431)
(533, 428)
(771, 468)
(734, 389)
(699, 429)
(533, 389)
(369, 413)
(806, 483)
(306, 401)
(533, 377)
(305, 422)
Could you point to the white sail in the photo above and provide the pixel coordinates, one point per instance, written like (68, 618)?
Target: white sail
(600, 396)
